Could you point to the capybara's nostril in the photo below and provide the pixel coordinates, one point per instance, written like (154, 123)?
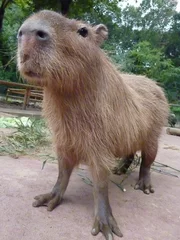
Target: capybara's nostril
(20, 33)
(41, 35)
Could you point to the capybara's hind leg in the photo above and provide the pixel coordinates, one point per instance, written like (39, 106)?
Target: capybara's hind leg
(104, 221)
(148, 157)
(127, 163)
(52, 199)
(123, 165)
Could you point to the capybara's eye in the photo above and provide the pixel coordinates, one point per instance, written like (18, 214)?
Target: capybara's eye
(83, 32)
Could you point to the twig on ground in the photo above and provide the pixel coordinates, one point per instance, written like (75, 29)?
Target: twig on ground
(85, 179)
(165, 165)
(164, 172)
(119, 186)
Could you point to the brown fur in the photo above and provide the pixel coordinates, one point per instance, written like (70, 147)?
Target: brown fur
(95, 113)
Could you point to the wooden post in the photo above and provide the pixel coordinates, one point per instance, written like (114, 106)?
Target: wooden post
(26, 98)
(26, 87)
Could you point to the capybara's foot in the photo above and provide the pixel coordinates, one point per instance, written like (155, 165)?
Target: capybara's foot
(107, 226)
(144, 184)
(51, 200)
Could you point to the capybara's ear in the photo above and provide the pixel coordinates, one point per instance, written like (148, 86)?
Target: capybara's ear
(101, 33)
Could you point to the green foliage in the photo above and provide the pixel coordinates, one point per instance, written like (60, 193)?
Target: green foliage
(14, 15)
(170, 79)
(175, 109)
(6, 75)
(172, 41)
(146, 22)
(25, 5)
(146, 60)
(28, 134)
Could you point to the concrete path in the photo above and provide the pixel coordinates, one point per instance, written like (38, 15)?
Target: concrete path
(140, 217)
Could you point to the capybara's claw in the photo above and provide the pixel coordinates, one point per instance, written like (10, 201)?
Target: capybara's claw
(144, 186)
(51, 200)
(107, 229)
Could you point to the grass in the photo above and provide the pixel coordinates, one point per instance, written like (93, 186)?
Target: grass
(28, 136)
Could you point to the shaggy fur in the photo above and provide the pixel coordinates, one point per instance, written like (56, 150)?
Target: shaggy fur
(95, 113)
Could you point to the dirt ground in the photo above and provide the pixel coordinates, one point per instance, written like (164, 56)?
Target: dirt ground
(15, 109)
(140, 217)
(18, 105)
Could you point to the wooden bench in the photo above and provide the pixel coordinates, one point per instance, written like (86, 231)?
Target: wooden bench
(23, 91)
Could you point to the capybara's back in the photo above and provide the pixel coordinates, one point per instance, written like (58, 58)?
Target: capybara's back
(154, 105)
(95, 113)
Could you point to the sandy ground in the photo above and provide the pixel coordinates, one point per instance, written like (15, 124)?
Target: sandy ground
(140, 217)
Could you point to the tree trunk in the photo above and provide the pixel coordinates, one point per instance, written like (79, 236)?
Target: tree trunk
(65, 4)
(3, 7)
(1, 18)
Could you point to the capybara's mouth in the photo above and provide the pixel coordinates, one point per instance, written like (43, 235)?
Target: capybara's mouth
(33, 74)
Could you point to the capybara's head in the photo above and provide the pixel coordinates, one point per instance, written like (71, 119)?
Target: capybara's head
(56, 51)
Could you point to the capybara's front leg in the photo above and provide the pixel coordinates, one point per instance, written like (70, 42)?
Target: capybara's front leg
(104, 220)
(148, 157)
(53, 199)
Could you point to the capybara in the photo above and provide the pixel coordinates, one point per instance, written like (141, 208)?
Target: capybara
(95, 113)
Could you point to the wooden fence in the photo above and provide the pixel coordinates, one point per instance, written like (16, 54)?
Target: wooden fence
(25, 91)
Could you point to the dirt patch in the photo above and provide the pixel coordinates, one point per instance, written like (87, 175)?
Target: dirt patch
(18, 105)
